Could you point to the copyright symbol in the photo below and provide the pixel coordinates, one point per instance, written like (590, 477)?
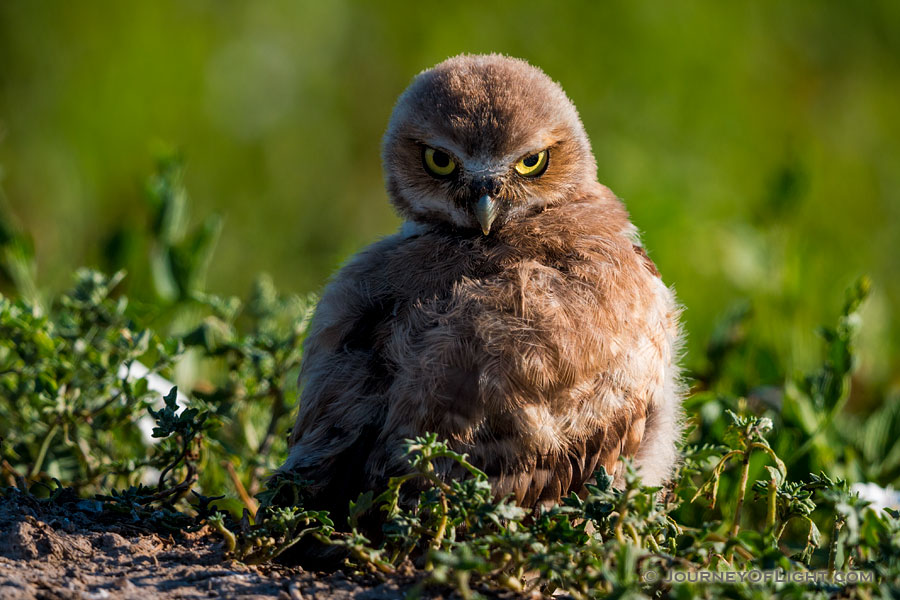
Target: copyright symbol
(650, 576)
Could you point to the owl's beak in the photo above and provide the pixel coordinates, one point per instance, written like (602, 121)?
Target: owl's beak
(486, 212)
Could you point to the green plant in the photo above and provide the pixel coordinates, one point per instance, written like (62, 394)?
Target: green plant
(70, 410)
(605, 542)
(760, 486)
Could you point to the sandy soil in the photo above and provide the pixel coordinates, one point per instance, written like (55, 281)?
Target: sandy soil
(72, 551)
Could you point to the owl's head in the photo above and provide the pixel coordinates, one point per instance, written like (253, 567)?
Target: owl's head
(479, 141)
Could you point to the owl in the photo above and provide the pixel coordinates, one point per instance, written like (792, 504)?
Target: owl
(515, 313)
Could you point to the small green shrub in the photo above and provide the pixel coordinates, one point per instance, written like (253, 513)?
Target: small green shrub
(763, 484)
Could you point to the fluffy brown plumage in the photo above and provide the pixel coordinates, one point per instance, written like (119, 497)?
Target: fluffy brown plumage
(516, 316)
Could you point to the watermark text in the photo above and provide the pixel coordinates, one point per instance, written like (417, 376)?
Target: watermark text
(761, 576)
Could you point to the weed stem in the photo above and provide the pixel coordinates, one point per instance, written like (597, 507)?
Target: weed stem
(741, 491)
(42, 454)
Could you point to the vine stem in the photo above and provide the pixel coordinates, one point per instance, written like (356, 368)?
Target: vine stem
(441, 530)
(622, 509)
(741, 492)
(5, 467)
(713, 537)
(832, 551)
(782, 528)
(714, 480)
(634, 534)
(42, 453)
(246, 498)
(770, 512)
(230, 540)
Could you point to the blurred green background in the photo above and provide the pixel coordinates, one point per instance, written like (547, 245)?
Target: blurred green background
(757, 145)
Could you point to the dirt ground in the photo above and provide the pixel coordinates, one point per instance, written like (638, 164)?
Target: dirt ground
(69, 552)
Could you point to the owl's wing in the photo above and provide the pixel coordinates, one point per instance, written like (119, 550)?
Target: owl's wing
(343, 378)
(546, 479)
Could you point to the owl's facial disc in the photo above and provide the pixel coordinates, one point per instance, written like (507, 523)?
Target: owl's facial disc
(480, 142)
(482, 189)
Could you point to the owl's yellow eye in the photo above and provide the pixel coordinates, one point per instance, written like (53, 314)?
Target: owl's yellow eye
(438, 163)
(533, 164)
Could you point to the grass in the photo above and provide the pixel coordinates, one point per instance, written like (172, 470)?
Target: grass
(764, 482)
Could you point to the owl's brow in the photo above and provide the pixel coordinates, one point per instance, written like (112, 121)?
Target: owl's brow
(489, 165)
(546, 143)
(442, 144)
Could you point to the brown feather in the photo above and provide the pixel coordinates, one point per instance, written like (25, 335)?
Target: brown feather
(543, 350)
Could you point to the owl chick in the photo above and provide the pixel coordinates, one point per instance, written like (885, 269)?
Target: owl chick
(515, 314)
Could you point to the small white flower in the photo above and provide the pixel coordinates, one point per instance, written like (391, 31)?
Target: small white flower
(880, 497)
